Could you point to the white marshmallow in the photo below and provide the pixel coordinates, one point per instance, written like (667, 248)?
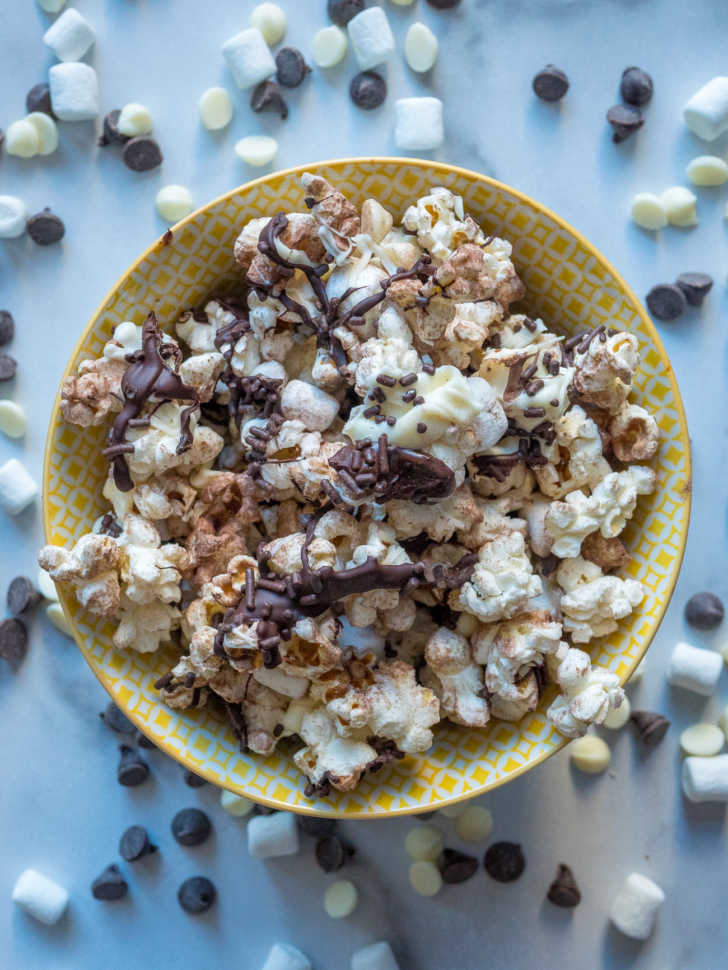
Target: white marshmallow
(283, 956)
(706, 113)
(679, 204)
(273, 835)
(694, 668)
(257, 150)
(249, 58)
(74, 91)
(174, 202)
(38, 895)
(328, 46)
(216, 109)
(17, 488)
(340, 898)
(635, 907)
(70, 36)
(371, 37)
(376, 956)
(46, 130)
(270, 20)
(54, 612)
(706, 779)
(648, 212)
(702, 740)
(13, 217)
(135, 119)
(420, 48)
(707, 170)
(236, 805)
(12, 419)
(21, 139)
(418, 123)
(617, 717)
(51, 6)
(46, 586)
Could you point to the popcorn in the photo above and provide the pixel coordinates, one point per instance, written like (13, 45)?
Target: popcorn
(156, 446)
(635, 907)
(90, 569)
(273, 835)
(17, 488)
(593, 603)
(457, 680)
(306, 403)
(371, 38)
(604, 371)
(589, 693)
(150, 571)
(249, 58)
(440, 222)
(418, 122)
(502, 582)
(634, 434)
(13, 216)
(70, 36)
(74, 91)
(145, 627)
(694, 668)
(41, 897)
(328, 757)
(706, 113)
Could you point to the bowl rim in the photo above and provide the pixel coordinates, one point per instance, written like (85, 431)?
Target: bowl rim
(563, 224)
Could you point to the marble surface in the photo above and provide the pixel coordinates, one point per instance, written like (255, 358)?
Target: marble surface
(61, 810)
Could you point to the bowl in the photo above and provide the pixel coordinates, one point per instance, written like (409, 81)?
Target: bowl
(569, 284)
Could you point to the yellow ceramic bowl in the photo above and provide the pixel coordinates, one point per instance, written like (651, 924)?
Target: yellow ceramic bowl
(569, 284)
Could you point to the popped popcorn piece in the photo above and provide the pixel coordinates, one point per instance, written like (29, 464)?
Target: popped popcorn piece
(328, 46)
(694, 668)
(579, 437)
(635, 907)
(304, 402)
(593, 603)
(420, 47)
(257, 150)
(606, 553)
(174, 202)
(371, 37)
(270, 19)
(156, 446)
(216, 108)
(502, 582)
(604, 371)
(588, 692)
(418, 123)
(706, 113)
(618, 717)
(13, 215)
(679, 204)
(41, 897)
(590, 754)
(249, 58)
(456, 679)
(90, 569)
(329, 757)
(270, 836)
(440, 222)
(74, 91)
(70, 36)
(145, 627)
(338, 220)
(705, 779)
(95, 393)
(634, 434)
(150, 571)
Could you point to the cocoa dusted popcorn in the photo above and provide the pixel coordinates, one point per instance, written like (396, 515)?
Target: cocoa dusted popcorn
(365, 434)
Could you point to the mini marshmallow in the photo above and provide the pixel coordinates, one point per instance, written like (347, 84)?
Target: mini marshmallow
(39, 896)
(590, 754)
(13, 217)
(475, 824)
(376, 956)
(418, 123)
(257, 150)
(420, 48)
(216, 108)
(45, 585)
(174, 202)
(341, 897)
(273, 835)
(423, 842)
(17, 488)
(425, 878)
(328, 46)
(694, 668)
(283, 956)
(54, 612)
(679, 204)
(51, 6)
(706, 779)
(706, 113)
(21, 139)
(70, 36)
(74, 91)
(12, 419)
(702, 740)
(635, 907)
(270, 20)
(134, 119)
(371, 37)
(249, 58)
(617, 717)
(46, 130)
(236, 805)
(648, 212)
(707, 170)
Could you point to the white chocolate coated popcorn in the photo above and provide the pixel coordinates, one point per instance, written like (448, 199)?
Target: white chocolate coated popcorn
(589, 692)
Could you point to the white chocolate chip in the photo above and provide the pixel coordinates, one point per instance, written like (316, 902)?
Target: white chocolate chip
(418, 123)
(648, 212)
(723, 721)
(375, 956)
(40, 896)
(371, 37)
(135, 119)
(236, 805)
(707, 170)
(74, 91)
(679, 204)
(273, 835)
(13, 217)
(475, 824)
(174, 202)
(617, 717)
(453, 811)
(340, 899)
(590, 754)
(694, 668)
(46, 130)
(21, 139)
(423, 842)
(70, 36)
(283, 956)
(54, 612)
(51, 6)
(328, 46)
(403, 3)
(706, 779)
(270, 20)
(46, 586)
(706, 113)
(702, 740)
(17, 488)
(257, 150)
(635, 907)
(420, 47)
(216, 108)
(249, 58)
(12, 419)
(425, 878)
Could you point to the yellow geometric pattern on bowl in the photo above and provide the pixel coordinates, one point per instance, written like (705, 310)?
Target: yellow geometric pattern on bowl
(569, 284)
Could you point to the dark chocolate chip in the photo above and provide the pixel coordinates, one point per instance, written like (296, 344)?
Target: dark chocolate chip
(550, 84)
(504, 861)
(39, 99)
(8, 367)
(341, 11)
(117, 721)
(695, 286)
(564, 891)
(666, 301)
(13, 640)
(368, 90)
(45, 228)
(625, 120)
(443, 4)
(110, 885)
(456, 866)
(424, 816)
(263, 810)
(134, 844)
(704, 611)
(191, 826)
(110, 134)
(636, 86)
(142, 740)
(291, 68)
(133, 769)
(319, 828)
(652, 727)
(196, 895)
(267, 96)
(142, 154)
(193, 780)
(7, 327)
(331, 853)
(22, 595)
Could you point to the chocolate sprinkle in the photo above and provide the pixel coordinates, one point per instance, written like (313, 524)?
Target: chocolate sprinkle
(504, 861)
(399, 472)
(564, 891)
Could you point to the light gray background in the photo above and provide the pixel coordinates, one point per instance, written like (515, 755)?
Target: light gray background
(60, 807)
